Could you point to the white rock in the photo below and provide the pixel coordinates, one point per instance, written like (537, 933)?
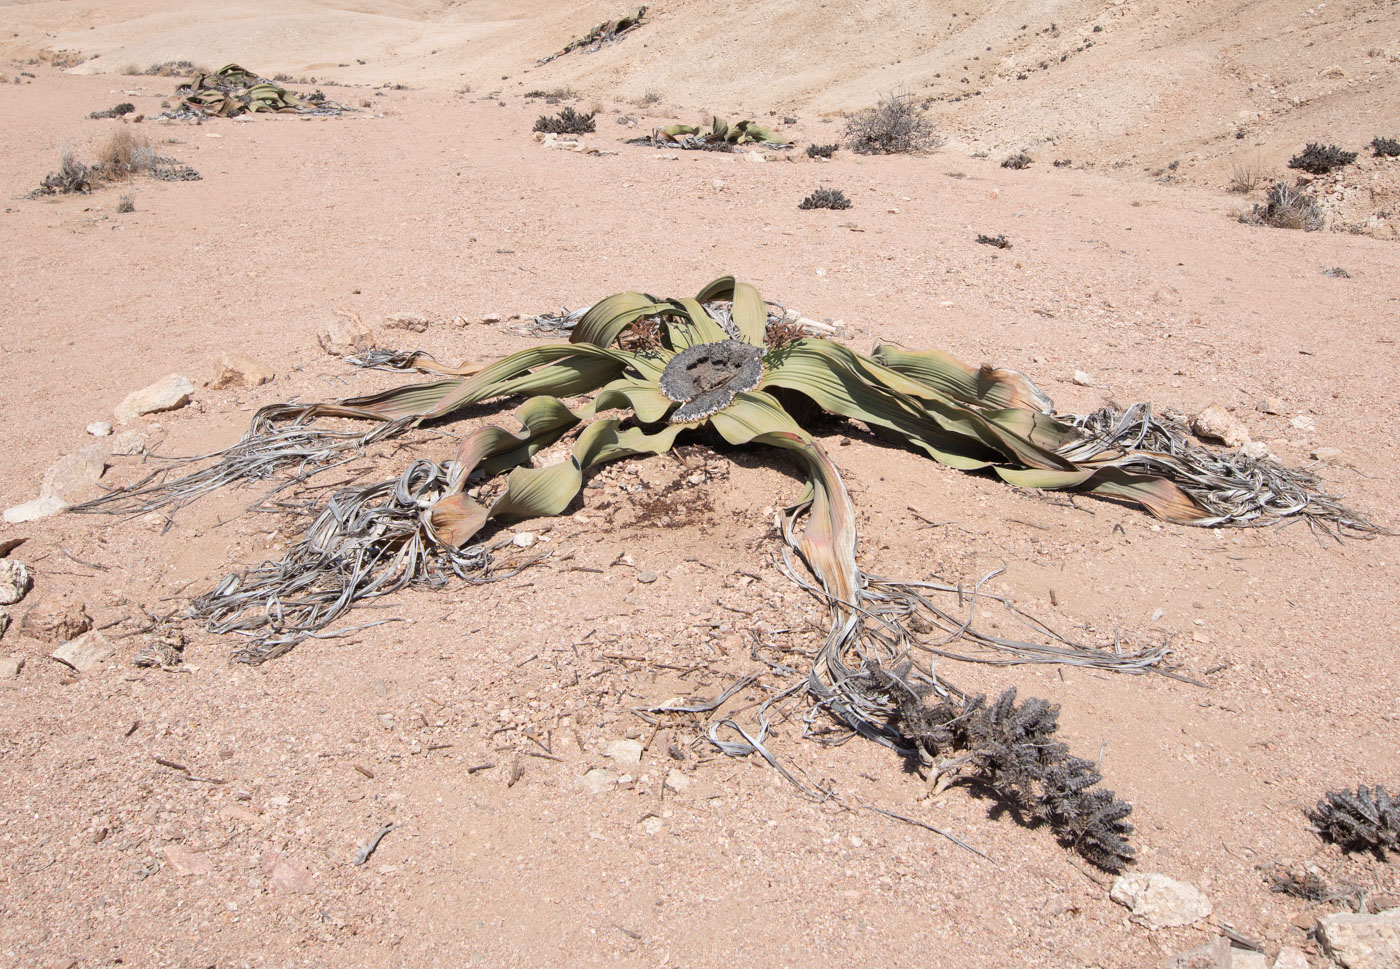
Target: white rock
(168, 393)
(1157, 901)
(523, 539)
(1362, 941)
(652, 825)
(676, 780)
(1272, 405)
(10, 667)
(234, 369)
(1290, 957)
(72, 476)
(32, 511)
(1248, 959)
(15, 582)
(717, 183)
(85, 653)
(1303, 423)
(624, 752)
(597, 781)
(756, 157)
(1258, 450)
(1215, 423)
(1215, 954)
(127, 443)
(1083, 379)
(99, 428)
(343, 334)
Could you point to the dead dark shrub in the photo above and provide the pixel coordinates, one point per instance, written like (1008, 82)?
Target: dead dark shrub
(72, 176)
(126, 204)
(115, 111)
(567, 122)
(896, 124)
(825, 198)
(1319, 160)
(1010, 748)
(1000, 241)
(1285, 207)
(821, 151)
(1385, 147)
(1018, 161)
(1360, 820)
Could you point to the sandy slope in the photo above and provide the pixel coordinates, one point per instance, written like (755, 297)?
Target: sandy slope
(1151, 287)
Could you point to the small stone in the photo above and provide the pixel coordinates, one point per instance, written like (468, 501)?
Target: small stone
(1303, 423)
(187, 862)
(1215, 954)
(676, 780)
(412, 322)
(1331, 455)
(344, 334)
(624, 752)
(10, 667)
(234, 369)
(290, 876)
(652, 825)
(168, 393)
(597, 781)
(756, 157)
(1258, 450)
(15, 581)
(1362, 941)
(1215, 423)
(127, 443)
(717, 183)
(1083, 379)
(32, 511)
(72, 476)
(1290, 957)
(99, 429)
(647, 577)
(1248, 959)
(1157, 901)
(491, 318)
(56, 619)
(523, 539)
(1272, 405)
(85, 653)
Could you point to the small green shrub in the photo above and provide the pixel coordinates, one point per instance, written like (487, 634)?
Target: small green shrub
(567, 122)
(1319, 160)
(826, 198)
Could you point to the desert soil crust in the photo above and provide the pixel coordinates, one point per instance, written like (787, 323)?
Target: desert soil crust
(212, 816)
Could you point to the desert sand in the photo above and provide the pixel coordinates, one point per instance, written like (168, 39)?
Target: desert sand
(468, 722)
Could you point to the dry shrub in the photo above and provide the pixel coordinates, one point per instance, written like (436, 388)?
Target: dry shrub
(126, 204)
(567, 122)
(1386, 147)
(1244, 176)
(896, 124)
(72, 176)
(124, 153)
(826, 198)
(1317, 159)
(1285, 207)
(821, 151)
(1017, 161)
(999, 241)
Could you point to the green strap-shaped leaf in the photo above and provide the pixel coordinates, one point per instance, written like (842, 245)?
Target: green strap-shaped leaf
(644, 397)
(750, 315)
(688, 325)
(983, 386)
(753, 414)
(607, 318)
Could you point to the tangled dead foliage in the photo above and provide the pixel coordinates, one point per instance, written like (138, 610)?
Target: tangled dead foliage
(896, 124)
(72, 176)
(998, 240)
(121, 156)
(116, 111)
(1010, 748)
(567, 122)
(825, 198)
(1286, 207)
(821, 151)
(1018, 161)
(1306, 885)
(1362, 820)
(1319, 160)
